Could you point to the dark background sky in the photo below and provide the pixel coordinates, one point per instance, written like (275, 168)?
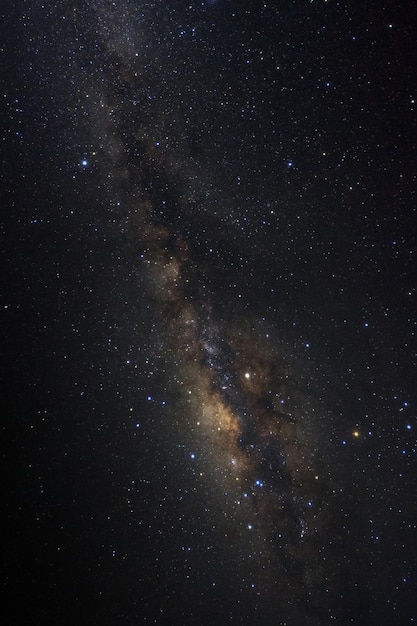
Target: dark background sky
(190, 191)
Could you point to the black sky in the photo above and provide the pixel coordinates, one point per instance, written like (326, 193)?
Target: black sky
(209, 327)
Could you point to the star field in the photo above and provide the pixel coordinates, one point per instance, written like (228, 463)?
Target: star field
(209, 312)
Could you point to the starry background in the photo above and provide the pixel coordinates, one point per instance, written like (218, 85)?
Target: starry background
(209, 312)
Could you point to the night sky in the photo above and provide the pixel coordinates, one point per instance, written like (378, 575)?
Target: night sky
(209, 240)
